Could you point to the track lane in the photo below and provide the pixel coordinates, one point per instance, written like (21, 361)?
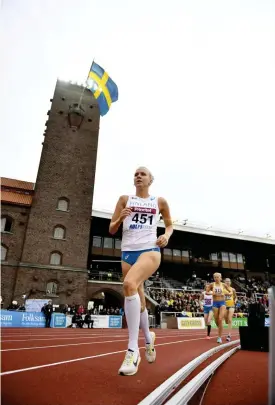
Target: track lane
(13, 360)
(96, 381)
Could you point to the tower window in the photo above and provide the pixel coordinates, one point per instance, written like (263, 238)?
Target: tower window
(59, 232)
(63, 204)
(56, 258)
(6, 224)
(4, 252)
(51, 288)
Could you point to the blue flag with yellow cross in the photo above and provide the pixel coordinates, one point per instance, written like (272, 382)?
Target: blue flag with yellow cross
(103, 88)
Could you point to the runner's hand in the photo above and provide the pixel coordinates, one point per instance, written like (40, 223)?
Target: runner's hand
(125, 213)
(162, 241)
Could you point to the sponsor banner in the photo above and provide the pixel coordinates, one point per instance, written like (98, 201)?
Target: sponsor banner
(191, 323)
(115, 321)
(236, 322)
(17, 319)
(58, 320)
(100, 321)
(35, 305)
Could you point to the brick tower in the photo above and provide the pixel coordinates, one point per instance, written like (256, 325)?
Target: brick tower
(55, 251)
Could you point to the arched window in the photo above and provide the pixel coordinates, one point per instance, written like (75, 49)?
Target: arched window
(59, 232)
(51, 288)
(6, 223)
(4, 252)
(63, 204)
(56, 258)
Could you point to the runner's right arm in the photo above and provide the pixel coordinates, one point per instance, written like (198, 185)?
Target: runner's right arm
(119, 215)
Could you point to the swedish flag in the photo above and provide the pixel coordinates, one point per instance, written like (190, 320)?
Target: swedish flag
(103, 88)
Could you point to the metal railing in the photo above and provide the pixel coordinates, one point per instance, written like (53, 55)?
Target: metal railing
(102, 275)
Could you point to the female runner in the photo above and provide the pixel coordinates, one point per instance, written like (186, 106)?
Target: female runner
(230, 302)
(219, 290)
(206, 300)
(140, 259)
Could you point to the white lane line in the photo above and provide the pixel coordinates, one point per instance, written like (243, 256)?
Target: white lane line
(80, 344)
(61, 338)
(92, 336)
(77, 331)
(90, 357)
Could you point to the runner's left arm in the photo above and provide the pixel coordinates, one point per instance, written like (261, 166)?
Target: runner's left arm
(165, 213)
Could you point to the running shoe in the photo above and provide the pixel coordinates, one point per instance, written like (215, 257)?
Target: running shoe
(150, 351)
(130, 363)
(228, 338)
(208, 337)
(219, 340)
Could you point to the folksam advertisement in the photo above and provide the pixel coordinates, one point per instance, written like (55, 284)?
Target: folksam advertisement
(17, 319)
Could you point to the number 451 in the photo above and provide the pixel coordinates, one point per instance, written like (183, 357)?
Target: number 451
(142, 218)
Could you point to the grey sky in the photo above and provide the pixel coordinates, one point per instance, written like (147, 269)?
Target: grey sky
(196, 98)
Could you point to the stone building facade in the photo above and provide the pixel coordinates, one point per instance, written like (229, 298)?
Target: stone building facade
(46, 226)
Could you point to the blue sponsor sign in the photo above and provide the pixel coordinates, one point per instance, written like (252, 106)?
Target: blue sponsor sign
(16, 319)
(267, 321)
(115, 321)
(58, 320)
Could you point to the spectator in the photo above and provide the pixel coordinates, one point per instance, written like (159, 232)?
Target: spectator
(47, 310)
(88, 321)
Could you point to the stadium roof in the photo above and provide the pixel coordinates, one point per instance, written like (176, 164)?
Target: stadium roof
(204, 230)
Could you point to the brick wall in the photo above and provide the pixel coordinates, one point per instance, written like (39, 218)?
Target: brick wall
(14, 240)
(8, 275)
(67, 169)
(72, 285)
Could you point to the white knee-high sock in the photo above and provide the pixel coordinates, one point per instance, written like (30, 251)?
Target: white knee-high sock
(144, 324)
(132, 312)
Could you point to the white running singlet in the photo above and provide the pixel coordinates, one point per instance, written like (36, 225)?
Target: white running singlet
(140, 228)
(207, 299)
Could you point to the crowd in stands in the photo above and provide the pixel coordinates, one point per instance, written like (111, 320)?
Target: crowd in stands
(80, 310)
(256, 284)
(176, 300)
(180, 300)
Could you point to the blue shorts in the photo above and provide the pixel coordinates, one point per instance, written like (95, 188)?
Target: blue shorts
(218, 304)
(206, 310)
(132, 256)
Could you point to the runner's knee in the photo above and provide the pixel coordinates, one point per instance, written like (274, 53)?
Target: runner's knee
(129, 287)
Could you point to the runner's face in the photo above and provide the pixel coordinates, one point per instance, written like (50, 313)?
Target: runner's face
(217, 278)
(142, 178)
(207, 288)
(228, 282)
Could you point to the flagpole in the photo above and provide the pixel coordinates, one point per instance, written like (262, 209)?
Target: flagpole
(84, 87)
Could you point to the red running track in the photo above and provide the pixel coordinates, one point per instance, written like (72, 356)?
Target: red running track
(241, 380)
(79, 367)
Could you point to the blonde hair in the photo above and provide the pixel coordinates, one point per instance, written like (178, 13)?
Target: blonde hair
(149, 172)
(217, 274)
